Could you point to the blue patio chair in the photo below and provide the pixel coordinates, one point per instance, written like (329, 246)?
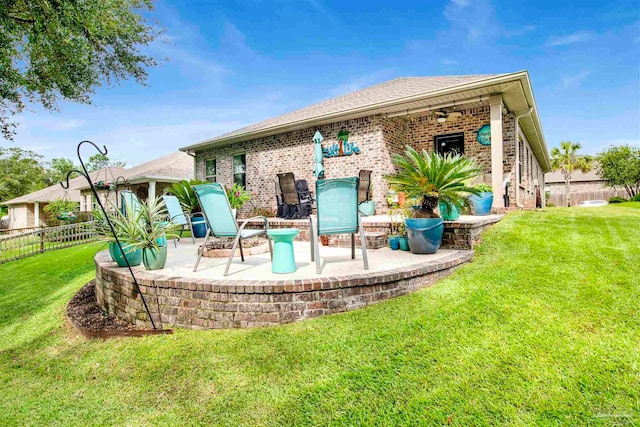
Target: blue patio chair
(129, 203)
(221, 221)
(337, 213)
(178, 217)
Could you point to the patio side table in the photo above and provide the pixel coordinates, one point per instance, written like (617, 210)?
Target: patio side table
(284, 260)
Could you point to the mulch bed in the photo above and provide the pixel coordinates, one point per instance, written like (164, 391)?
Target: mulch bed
(89, 319)
(227, 242)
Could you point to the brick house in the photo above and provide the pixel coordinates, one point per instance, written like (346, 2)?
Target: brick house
(146, 180)
(381, 120)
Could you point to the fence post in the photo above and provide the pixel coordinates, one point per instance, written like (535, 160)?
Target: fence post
(42, 248)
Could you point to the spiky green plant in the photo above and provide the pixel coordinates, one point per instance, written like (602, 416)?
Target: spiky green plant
(432, 177)
(183, 190)
(152, 224)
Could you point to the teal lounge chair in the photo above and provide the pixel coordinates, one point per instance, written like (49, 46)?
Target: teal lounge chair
(222, 222)
(178, 217)
(337, 213)
(129, 203)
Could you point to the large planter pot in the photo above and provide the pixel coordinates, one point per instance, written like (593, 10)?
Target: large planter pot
(133, 256)
(425, 234)
(367, 208)
(448, 212)
(394, 243)
(481, 203)
(199, 230)
(153, 258)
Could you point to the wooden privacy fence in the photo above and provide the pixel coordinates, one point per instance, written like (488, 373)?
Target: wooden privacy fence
(16, 246)
(559, 199)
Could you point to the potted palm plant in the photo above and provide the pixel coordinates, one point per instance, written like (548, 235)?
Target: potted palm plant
(183, 190)
(432, 178)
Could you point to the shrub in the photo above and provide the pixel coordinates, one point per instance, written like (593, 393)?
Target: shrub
(617, 199)
(635, 198)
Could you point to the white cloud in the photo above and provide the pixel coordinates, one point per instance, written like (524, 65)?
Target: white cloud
(476, 20)
(577, 37)
(461, 3)
(574, 78)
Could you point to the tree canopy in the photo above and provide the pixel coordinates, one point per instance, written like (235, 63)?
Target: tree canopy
(101, 161)
(619, 166)
(22, 172)
(52, 50)
(566, 159)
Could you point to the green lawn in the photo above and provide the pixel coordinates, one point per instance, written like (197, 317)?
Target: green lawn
(543, 328)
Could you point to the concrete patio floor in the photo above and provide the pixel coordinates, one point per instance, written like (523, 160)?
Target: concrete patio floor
(336, 261)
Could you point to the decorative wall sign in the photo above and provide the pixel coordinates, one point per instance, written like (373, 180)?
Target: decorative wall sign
(343, 147)
(484, 135)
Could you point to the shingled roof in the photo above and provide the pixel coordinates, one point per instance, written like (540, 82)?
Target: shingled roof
(55, 192)
(397, 90)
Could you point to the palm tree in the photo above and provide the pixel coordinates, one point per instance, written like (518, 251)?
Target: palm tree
(433, 177)
(565, 159)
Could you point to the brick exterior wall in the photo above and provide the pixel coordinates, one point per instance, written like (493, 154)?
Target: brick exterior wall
(378, 138)
(203, 304)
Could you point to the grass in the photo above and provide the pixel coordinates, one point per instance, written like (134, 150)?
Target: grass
(543, 328)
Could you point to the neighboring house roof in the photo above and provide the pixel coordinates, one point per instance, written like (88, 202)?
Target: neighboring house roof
(171, 168)
(55, 192)
(576, 176)
(400, 95)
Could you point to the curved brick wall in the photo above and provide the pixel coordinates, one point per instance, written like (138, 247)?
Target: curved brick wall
(204, 303)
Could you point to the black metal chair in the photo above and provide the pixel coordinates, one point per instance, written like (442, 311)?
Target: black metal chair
(293, 197)
(364, 183)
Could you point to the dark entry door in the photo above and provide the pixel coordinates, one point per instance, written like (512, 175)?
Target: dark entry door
(450, 143)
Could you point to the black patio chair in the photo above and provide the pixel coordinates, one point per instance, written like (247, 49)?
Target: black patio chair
(364, 183)
(293, 197)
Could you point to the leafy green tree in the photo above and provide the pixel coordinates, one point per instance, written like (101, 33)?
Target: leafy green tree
(619, 166)
(566, 160)
(57, 207)
(52, 50)
(101, 161)
(22, 172)
(58, 170)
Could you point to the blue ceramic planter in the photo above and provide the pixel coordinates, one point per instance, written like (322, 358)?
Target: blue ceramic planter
(134, 256)
(448, 212)
(199, 226)
(481, 203)
(404, 243)
(367, 208)
(394, 243)
(425, 234)
(154, 259)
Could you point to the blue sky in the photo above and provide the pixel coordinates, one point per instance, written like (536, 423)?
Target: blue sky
(233, 63)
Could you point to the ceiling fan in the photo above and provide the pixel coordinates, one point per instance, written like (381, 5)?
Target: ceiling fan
(443, 115)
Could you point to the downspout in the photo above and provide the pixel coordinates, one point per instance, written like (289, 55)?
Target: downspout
(517, 183)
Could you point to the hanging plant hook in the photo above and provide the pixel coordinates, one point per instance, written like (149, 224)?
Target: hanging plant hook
(86, 175)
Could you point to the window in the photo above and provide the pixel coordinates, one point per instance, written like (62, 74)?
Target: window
(210, 170)
(240, 170)
(450, 143)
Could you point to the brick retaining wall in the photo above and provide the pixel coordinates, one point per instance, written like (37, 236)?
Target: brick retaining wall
(203, 304)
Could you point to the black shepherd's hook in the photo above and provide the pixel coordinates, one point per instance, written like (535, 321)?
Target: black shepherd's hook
(117, 182)
(106, 217)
